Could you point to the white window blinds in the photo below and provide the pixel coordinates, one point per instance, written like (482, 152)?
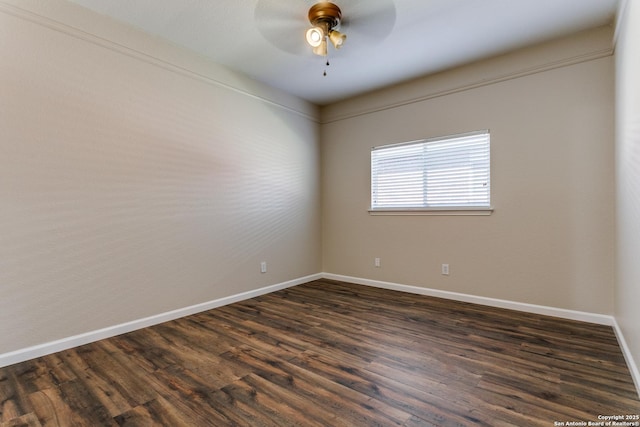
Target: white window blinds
(447, 172)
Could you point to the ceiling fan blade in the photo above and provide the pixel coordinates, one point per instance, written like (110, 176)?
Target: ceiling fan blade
(370, 21)
(283, 23)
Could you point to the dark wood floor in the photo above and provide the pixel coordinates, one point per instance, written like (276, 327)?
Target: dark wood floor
(331, 354)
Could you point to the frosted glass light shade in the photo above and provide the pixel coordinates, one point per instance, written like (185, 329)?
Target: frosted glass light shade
(315, 36)
(321, 49)
(337, 38)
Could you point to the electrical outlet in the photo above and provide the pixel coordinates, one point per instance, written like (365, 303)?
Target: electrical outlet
(263, 267)
(376, 262)
(445, 269)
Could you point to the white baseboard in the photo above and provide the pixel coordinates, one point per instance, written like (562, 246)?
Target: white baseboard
(600, 319)
(631, 363)
(28, 353)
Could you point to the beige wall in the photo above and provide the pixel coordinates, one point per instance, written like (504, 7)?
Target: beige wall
(628, 178)
(136, 178)
(550, 239)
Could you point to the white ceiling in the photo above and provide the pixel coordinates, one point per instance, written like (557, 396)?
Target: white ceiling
(424, 36)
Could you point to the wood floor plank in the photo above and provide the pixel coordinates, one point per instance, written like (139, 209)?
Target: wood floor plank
(427, 398)
(52, 410)
(331, 353)
(115, 385)
(71, 404)
(347, 404)
(13, 395)
(189, 395)
(27, 420)
(42, 373)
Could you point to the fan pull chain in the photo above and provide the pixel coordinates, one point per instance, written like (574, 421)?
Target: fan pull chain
(325, 71)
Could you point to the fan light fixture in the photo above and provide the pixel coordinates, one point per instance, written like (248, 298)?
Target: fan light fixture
(324, 17)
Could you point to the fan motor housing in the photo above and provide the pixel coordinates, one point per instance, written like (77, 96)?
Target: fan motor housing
(325, 12)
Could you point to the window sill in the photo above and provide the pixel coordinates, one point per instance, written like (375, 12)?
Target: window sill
(453, 211)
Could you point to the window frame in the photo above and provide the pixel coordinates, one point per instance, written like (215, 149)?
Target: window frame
(432, 210)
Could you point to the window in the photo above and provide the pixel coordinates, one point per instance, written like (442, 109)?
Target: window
(448, 173)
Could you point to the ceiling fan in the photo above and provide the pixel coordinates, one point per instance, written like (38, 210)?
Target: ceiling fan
(303, 26)
(324, 18)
